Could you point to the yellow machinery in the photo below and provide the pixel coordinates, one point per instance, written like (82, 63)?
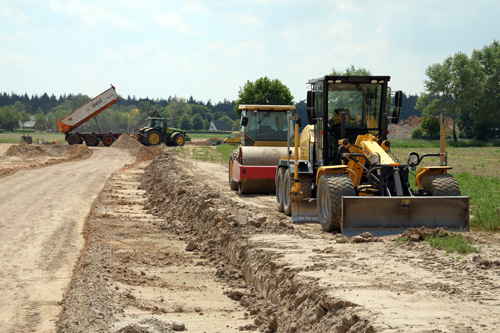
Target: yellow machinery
(263, 135)
(341, 174)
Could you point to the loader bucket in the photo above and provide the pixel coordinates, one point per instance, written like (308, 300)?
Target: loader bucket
(305, 211)
(393, 215)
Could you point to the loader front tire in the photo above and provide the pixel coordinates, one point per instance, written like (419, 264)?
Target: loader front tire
(287, 187)
(152, 138)
(441, 185)
(280, 175)
(331, 189)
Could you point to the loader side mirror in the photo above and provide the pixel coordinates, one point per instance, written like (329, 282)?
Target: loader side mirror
(311, 114)
(244, 121)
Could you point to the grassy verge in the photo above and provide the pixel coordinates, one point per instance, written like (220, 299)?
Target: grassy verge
(15, 137)
(484, 196)
(452, 244)
(215, 154)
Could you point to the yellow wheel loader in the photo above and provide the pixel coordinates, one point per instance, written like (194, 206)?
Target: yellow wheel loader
(263, 135)
(340, 172)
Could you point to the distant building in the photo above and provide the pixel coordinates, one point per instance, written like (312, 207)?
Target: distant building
(219, 125)
(28, 124)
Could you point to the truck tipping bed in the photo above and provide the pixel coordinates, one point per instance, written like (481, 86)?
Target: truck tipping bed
(88, 110)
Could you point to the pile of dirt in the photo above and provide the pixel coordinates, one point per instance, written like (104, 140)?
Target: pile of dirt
(420, 234)
(126, 141)
(213, 141)
(147, 153)
(26, 150)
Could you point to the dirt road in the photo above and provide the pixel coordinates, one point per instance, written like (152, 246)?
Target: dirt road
(42, 215)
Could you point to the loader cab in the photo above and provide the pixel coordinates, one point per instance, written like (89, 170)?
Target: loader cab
(264, 125)
(158, 123)
(361, 100)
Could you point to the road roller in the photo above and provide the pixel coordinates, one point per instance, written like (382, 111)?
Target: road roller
(264, 137)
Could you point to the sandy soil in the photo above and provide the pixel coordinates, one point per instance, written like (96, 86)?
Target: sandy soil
(167, 244)
(43, 211)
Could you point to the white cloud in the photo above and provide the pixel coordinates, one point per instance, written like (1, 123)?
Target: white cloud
(173, 21)
(18, 36)
(15, 14)
(94, 14)
(20, 61)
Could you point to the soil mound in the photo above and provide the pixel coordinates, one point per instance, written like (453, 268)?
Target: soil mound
(125, 141)
(147, 153)
(26, 150)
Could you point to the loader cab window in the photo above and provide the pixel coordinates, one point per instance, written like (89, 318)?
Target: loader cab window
(360, 102)
(156, 123)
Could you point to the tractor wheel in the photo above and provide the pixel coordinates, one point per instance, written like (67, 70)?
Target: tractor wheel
(92, 140)
(331, 189)
(178, 140)
(287, 187)
(441, 185)
(74, 139)
(108, 140)
(152, 138)
(280, 175)
(234, 156)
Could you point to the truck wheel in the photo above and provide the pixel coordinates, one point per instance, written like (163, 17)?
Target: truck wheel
(331, 189)
(108, 140)
(287, 187)
(441, 185)
(178, 140)
(280, 175)
(91, 140)
(152, 138)
(234, 156)
(74, 139)
(306, 185)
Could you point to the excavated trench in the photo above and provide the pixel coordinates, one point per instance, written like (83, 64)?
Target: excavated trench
(228, 229)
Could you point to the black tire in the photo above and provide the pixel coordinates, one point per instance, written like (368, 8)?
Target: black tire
(441, 185)
(108, 140)
(178, 140)
(287, 187)
(152, 138)
(280, 175)
(234, 157)
(306, 185)
(331, 189)
(74, 139)
(91, 140)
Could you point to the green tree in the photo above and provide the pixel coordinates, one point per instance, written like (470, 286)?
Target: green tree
(78, 101)
(452, 87)
(430, 125)
(40, 119)
(176, 109)
(185, 122)
(198, 122)
(351, 71)
(264, 91)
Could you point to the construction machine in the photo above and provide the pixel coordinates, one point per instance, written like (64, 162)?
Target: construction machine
(83, 114)
(263, 140)
(341, 173)
(157, 131)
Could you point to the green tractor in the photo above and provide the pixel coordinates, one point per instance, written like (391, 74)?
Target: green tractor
(157, 131)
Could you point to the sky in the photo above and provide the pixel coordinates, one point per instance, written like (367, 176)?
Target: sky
(209, 49)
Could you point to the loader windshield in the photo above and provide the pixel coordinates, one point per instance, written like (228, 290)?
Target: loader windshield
(361, 103)
(267, 126)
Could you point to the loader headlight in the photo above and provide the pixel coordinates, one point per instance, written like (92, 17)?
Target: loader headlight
(374, 158)
(413, 158)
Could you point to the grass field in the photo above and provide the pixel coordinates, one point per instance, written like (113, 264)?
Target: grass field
(15, 137)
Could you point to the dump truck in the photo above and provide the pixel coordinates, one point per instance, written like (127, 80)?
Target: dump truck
(84, 113)
(340, 172)
(263, 140)
(157, 131)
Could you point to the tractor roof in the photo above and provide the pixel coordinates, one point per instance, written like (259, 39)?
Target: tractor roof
(266, 107)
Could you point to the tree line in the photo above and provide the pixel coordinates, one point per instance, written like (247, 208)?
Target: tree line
(126, 115)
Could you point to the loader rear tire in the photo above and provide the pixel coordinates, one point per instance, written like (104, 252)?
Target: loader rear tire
(441, 185)
(287, 187)
(234, 156)
(280, 175)
(178, 140)
(331, 189)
